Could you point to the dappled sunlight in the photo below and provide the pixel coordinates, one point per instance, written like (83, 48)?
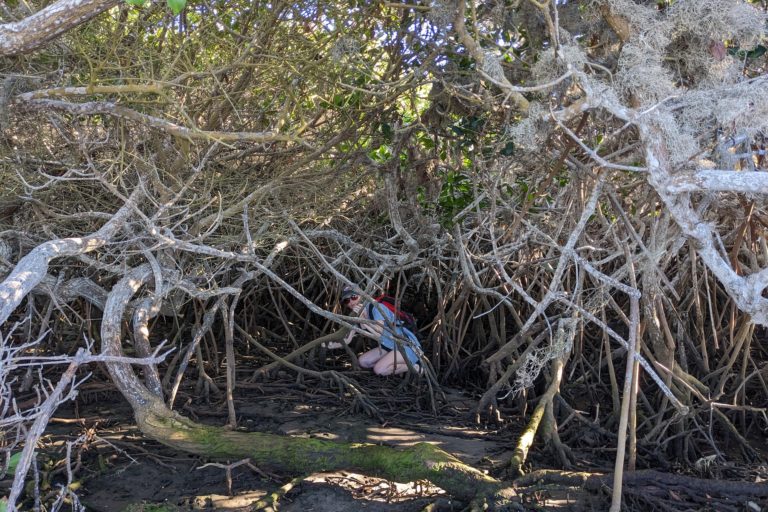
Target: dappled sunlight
(393, 436)
(376, 489)
(13, 289)
(224, 503)
(135, 284)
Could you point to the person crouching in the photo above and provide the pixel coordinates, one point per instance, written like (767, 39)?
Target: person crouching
(387, 358)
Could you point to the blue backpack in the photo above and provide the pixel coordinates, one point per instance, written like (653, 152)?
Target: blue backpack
(404, 319)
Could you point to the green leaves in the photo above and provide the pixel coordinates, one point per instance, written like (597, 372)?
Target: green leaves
(12, 464)
(15, 458)
(509, 149)
(381, 154)
(756, 52)
(457, 192)
(386, 131)
(175, 5)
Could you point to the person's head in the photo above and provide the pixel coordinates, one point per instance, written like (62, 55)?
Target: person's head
(349, 298)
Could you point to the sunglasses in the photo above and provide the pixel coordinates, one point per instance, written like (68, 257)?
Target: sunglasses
(346, 300)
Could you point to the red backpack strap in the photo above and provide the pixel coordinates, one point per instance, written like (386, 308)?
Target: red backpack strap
(388, 302)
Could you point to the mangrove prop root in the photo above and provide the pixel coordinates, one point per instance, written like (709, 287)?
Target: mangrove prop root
(526, 438)
(594, 482)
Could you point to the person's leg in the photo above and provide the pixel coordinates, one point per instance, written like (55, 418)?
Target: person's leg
(391, 364)
(370, 358)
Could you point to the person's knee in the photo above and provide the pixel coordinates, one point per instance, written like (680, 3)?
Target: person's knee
(369, 359)
(382, 371)
(383, 368)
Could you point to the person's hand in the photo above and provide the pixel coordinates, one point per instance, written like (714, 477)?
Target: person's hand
(335, 344)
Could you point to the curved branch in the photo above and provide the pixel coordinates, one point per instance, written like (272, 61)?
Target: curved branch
(44, 26)
(104, 107)
(32, 268)
(745, 291)
(79, 287)
(122, 374)
(674, 191)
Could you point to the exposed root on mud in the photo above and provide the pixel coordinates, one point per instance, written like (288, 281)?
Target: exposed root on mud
(649, 489)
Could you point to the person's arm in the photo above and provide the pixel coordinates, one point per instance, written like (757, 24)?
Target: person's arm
(371, 330)
(362, 313)
(374, 329)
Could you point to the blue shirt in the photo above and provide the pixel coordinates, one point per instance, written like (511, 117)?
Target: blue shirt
(409, 343)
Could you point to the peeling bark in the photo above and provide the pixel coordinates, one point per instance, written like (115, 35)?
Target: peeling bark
(717, 180)
(39, 29)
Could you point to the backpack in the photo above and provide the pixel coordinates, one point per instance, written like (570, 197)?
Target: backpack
(404, 319)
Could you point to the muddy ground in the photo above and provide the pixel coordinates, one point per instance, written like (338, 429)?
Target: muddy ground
(116, 469)
(121, 470)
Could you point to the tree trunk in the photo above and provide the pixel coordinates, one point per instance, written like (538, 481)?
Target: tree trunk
(294, 455)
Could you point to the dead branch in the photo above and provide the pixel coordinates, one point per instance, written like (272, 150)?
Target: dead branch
(44, 26)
